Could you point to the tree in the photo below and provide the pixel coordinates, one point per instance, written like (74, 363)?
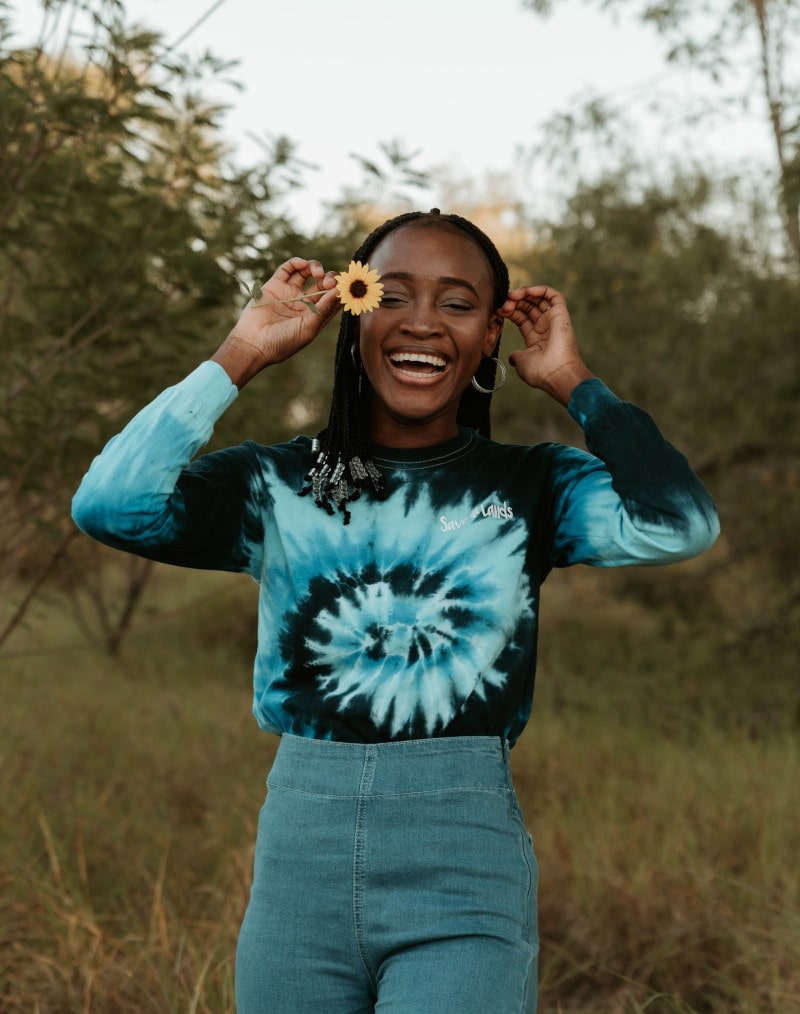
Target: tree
(123, 231)
(688, 320)
(688, 272)
(748, 46)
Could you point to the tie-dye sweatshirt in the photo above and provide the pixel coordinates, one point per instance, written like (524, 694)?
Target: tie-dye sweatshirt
(419, 618)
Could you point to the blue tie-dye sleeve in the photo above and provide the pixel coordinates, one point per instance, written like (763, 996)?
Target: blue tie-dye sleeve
(633, 499)
(140, 495)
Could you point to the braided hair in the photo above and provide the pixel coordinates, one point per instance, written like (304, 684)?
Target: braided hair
(343, 465)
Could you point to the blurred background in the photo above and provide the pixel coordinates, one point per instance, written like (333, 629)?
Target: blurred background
(158, 158)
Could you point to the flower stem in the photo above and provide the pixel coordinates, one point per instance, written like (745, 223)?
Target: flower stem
(304, 298)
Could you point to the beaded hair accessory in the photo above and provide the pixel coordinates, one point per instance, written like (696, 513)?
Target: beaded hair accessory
(328, 483)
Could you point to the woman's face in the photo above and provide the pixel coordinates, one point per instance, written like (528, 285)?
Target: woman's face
(422, 345)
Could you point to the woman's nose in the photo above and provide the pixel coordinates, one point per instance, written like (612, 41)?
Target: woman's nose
(422, 319)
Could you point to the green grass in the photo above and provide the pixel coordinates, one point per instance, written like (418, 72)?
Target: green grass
(659, 778)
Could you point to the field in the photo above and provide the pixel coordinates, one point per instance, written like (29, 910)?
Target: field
(659, 777)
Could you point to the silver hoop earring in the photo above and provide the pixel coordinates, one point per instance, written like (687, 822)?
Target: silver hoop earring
(488, 390)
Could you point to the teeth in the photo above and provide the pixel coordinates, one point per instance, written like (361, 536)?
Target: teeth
(417, 357)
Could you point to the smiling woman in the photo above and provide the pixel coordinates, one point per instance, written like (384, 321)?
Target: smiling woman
(344, 467)
(437, 321)
(397, 640)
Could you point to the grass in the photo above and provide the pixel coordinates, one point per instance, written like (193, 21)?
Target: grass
(659, 778)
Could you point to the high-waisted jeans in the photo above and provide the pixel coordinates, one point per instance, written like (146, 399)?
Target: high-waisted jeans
(390, 877)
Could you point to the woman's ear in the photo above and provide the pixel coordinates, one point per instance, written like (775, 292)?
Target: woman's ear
(493, 330)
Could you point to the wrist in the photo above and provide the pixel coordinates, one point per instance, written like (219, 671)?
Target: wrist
(240, 360)
(560, 384)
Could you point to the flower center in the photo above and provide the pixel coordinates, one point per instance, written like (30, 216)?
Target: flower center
(358, 289)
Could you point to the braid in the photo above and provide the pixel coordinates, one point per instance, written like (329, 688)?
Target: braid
(342, 465)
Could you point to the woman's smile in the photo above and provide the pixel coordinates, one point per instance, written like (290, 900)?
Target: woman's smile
(418, 364)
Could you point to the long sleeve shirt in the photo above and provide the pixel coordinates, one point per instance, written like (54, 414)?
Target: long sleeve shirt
(420, 617)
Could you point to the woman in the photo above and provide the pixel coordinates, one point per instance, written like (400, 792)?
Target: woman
(397, 634)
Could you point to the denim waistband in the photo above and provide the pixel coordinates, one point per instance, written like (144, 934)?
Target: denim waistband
(418, 765)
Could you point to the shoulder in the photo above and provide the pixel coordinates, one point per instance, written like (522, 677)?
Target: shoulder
(285, 461)
(509, 455)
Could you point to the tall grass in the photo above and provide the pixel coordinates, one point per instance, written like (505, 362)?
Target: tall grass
(658, 777)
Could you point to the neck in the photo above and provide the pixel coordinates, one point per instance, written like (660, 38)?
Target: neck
(408, 435)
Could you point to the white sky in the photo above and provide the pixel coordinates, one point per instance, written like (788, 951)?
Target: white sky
(467, 82)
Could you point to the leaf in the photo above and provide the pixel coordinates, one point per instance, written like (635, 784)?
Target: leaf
(312, 304)
(243, 286)
(255, 291)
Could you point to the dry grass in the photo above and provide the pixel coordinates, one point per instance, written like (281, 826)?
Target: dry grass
(668, 877)
(129, 791)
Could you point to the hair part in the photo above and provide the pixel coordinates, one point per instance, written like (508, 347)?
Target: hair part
(342, 464)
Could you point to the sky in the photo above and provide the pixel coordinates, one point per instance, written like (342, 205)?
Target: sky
(466, 83)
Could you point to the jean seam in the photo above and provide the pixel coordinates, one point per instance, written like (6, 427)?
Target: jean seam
(310, 792)
(498, 790)
(359, 848)
(522, 831)
(525, 837)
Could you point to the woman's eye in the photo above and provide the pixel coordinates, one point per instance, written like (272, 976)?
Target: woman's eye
(390, 300)
(458, 305)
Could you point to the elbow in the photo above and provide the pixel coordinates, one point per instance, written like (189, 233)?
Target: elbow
(120, 520)
(681, 539)
(89, 515)
(696, 537)
(105, 516)
(83, 511)
(706, 532)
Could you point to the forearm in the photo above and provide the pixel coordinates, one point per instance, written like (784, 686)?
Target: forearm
(636, 500)
(124, 497)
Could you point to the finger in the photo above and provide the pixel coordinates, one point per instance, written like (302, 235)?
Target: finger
(328, 305)
(533, 291)
(316, 269)
(537, 292)
(541, 296)
(293, 266)
(325, 280)
(297, 271)
(526, 313)
(322, 280)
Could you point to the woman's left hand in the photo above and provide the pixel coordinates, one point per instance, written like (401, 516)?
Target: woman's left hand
(550, 360)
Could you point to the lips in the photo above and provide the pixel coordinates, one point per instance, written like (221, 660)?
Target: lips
(418, 364)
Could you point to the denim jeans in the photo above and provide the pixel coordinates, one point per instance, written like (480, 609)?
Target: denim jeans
(390, 877)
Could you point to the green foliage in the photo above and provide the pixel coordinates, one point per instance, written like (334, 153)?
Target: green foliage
(121, 230)
(686, 299)
(685, 318)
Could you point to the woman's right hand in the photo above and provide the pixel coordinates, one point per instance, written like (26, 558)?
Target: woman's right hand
(269, 332)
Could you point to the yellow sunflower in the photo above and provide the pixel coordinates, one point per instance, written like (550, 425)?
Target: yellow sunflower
(359, 288)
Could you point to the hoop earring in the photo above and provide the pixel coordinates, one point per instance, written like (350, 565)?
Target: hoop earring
(488, 390)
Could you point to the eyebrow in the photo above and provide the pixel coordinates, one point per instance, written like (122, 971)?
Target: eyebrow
(406, 276)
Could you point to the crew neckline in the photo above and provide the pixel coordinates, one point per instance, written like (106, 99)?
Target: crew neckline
(435, 454)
